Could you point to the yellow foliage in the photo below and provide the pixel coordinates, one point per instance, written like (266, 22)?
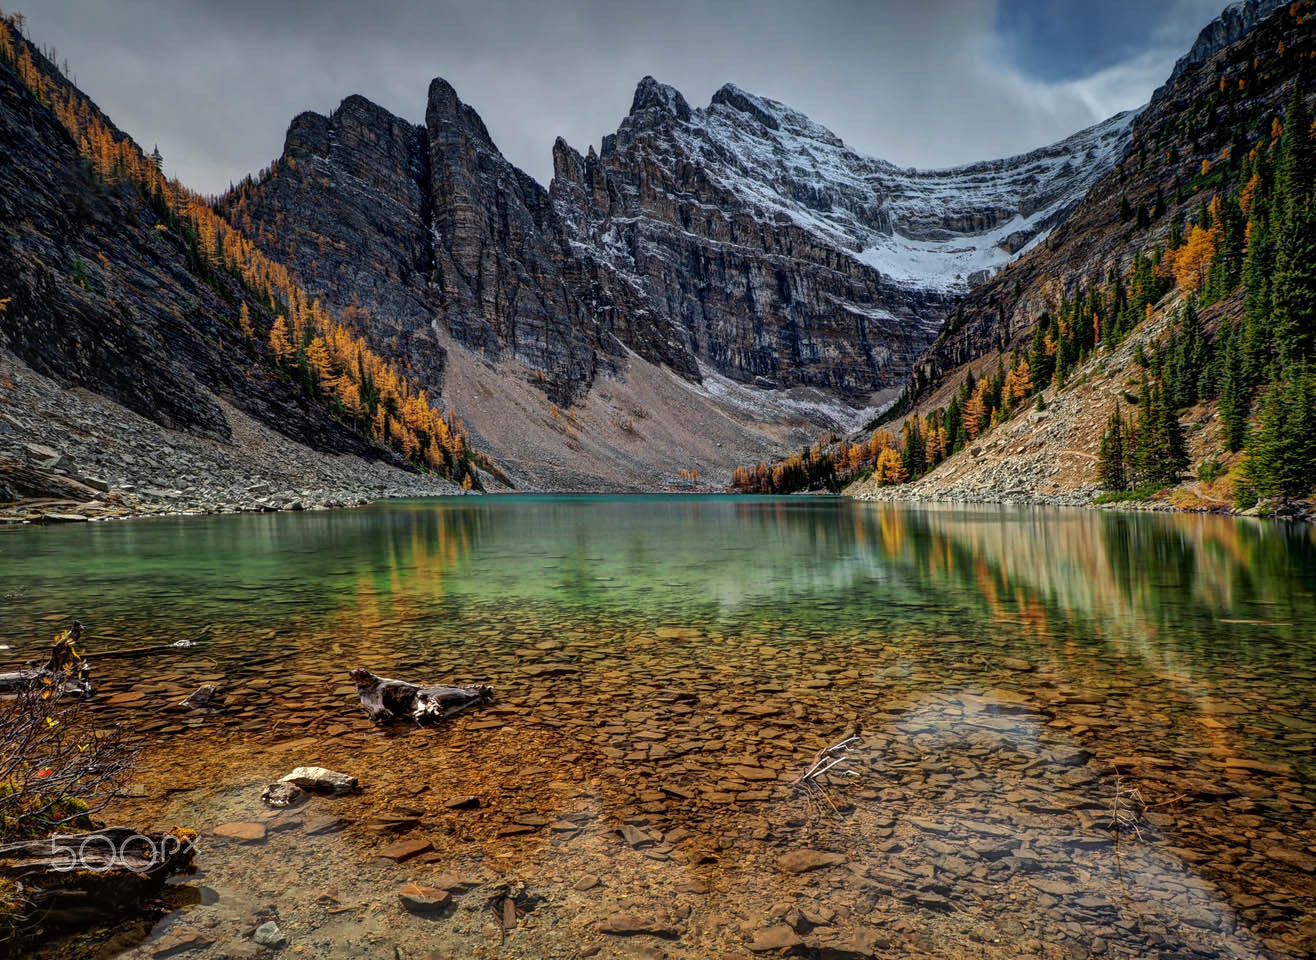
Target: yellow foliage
(889, 468)
(1192, 261)
(280, 345)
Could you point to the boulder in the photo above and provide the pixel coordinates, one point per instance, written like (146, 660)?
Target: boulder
(421, 899)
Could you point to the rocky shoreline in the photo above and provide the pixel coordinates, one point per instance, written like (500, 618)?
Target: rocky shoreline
(1014, 498)
(69, 455)
(1299, 511)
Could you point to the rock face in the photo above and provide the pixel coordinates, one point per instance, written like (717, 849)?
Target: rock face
(786, 256)
(96, 297)
(1234, 23)
(402, 229)
(741, 238)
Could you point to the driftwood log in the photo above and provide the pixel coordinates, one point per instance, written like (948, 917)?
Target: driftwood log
(386, 699)
(76, 880)
(63, 667)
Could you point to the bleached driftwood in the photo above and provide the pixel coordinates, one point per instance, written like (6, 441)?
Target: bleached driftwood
(386, 699)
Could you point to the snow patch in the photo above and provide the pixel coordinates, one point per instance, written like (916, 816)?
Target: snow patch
(930, 229)
(803, 402)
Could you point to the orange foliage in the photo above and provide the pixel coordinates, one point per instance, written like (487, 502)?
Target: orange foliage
(342, 365)
(1192, 261)
(889, 468)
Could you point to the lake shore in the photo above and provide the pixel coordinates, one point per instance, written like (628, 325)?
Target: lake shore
(1301, 511)
(67, 454)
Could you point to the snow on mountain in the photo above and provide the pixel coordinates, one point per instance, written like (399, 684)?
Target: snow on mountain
(933, 229)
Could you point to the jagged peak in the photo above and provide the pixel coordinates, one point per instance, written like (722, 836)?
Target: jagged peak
(652, 95)
(442, 104)
(356, 105)
(567, 161)
(1235, 22)
(442, 96)
(772, 114)
(732, 96)
(308, 132)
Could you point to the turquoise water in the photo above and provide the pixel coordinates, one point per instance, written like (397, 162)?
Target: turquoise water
(1178, 651)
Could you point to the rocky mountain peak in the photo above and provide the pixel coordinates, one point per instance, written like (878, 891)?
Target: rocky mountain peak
(652, 95)
(568, 164)
(783, 121)
(1234, 23)
(307, 134)
(732, 96)
(444, 108)
(741, 240)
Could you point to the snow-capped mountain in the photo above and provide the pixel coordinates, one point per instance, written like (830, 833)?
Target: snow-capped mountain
(937, 229)
(789, 257)
(740, 245)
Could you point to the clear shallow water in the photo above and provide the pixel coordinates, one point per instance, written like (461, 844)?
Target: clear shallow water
(670, 665)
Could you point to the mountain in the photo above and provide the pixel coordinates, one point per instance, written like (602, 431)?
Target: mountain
(711, 286)
(127, 379)
(1184, 269)
(735, 273)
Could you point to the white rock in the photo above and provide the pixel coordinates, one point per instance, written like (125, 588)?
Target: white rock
(269, 935)
(321, 780)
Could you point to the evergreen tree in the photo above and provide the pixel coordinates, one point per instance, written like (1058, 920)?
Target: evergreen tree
(1294, 172)
(1258, 271)
(1234, 393)
(1294, 290)
(1169, 439)
(1158, 452)
(914, 456)
(1111, 473)
(1281, 452)
(1188, 371)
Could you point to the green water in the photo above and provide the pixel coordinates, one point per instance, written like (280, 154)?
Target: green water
(976, 647)
(1169, 585)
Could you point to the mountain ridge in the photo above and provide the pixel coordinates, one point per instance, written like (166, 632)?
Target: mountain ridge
(1200, 226)
(657, 247)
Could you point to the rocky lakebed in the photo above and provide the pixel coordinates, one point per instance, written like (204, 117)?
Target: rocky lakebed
(1026, 771)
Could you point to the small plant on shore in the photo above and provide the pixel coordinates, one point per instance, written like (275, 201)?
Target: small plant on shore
(57, 766)
(1136, 495)
(1210, 471)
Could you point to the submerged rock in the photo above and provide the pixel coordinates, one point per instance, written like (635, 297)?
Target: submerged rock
(242, 832)
(204, 696)
(285, 793)
(802, 861)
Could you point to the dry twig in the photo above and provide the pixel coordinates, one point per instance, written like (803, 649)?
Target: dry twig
(826, 760)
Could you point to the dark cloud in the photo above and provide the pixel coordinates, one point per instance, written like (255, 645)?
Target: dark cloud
(928, 83)
(1059, 40)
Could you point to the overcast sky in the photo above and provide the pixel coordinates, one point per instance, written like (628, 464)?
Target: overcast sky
(917, 82)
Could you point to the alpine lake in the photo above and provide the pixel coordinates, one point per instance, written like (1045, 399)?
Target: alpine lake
(1072, 733)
